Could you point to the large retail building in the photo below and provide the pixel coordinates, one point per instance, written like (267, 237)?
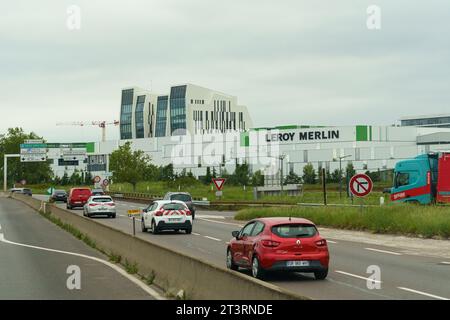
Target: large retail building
(194, 128)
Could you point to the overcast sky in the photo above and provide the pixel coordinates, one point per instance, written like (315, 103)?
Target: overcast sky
(289, 61)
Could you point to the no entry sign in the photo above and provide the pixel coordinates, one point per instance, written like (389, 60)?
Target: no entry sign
(361, 185)
(219, 182)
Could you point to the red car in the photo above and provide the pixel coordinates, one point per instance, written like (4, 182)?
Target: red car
(279, 244)
(78, 197)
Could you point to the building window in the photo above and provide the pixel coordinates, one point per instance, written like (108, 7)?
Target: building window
(139, 117)
(161, 116)
(126, 114)
(177, 108)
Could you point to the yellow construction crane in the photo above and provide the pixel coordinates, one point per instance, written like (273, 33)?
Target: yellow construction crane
(101, 124)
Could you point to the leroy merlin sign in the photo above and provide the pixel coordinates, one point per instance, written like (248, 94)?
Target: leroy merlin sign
(299, 134)
(303, 136)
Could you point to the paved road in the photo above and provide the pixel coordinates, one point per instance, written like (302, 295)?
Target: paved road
(29, 271)
(402, 276)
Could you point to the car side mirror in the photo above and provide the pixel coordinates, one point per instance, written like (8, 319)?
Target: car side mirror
(235, 234)
(145, 210)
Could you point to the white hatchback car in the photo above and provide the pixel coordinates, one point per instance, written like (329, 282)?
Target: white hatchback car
(167, 215)
(100, 206)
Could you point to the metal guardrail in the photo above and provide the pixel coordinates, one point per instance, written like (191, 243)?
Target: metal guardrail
(202, 202)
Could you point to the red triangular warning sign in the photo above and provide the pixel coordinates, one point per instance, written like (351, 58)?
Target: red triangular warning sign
(219, 182)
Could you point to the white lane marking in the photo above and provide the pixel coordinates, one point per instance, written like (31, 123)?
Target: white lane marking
(384, 251)
(0, 227)
(196, 234)
(140, 284)
(232, 224)
(356, 276)
(331, 241)
(210, 216)
(443, 262)
(423, 293)
(215, 239)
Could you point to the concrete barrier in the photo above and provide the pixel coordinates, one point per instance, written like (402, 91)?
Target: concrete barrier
(173, 270)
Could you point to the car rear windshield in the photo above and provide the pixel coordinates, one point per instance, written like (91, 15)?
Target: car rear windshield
(27, 190)
(105, 199)
(83, 191)
(174, 206)
(181, 197)
(294, 230)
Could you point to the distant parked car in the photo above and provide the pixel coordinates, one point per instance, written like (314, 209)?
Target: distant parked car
(78, 197)
(100, 206)
(167, 215)
(59, 195)
(182, 196)
(98, 192)
(279, 244)
(25, 191)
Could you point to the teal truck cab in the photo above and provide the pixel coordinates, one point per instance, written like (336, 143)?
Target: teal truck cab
(424, 179)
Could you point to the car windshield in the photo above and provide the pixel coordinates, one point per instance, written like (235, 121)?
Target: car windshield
(174, 206)
(60, 192)
(294, 230)
(26, 190)
(103, 199)
(181, 197)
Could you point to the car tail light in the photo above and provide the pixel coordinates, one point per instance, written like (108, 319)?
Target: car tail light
(270, 243)
(321, 243)
(188, 213)
(158, 213)
(93, 204)
(110, 204)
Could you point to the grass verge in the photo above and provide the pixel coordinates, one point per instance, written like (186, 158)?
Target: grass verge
(411, 220)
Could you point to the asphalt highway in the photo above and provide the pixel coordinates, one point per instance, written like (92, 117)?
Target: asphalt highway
(403, 276)
(38, 260)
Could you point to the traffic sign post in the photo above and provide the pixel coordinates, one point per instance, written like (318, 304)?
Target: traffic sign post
(361, 186)
(219, 183)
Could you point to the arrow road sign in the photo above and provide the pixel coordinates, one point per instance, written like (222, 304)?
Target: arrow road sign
(219, 182)
(361, 185)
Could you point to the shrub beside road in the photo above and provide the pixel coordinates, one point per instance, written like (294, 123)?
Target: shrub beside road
(414, 220)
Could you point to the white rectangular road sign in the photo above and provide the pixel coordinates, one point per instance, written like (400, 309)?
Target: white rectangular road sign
(33, 157)
(34, 141)
(33, 151)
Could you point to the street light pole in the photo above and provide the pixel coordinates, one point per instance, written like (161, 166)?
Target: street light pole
(340, 174)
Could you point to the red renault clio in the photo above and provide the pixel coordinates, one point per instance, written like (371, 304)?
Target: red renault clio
(279, 244)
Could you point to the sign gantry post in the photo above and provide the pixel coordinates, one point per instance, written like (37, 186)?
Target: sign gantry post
(5, 169)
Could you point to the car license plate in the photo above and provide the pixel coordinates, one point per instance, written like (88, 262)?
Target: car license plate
(174, 219)
(297, 263)
(103, 208)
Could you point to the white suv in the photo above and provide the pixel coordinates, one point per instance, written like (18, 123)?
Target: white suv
(167, 215)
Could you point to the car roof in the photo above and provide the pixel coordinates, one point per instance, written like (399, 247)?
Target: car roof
(81, 188)
(283, 220)
(172, 193)
(169, 201)
(101, 196)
